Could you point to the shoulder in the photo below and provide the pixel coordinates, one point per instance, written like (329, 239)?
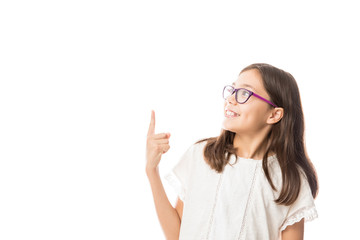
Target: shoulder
(276, 175)
(304, 205)
(302, 208)
(198, 146)
(201, 142)
(191, 153)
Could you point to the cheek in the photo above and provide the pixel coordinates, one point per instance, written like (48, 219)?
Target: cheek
(253, 119)
(249, 120)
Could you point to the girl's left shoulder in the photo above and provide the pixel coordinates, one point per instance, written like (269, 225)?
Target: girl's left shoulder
(304, 205)
(276, 175)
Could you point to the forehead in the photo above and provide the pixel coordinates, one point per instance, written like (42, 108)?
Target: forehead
(250, 79)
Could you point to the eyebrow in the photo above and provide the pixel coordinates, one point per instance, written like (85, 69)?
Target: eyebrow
(245, 85)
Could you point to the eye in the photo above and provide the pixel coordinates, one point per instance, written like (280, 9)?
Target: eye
(244, 93)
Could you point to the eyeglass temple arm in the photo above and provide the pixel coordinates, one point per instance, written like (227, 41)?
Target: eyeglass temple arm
(272, 104)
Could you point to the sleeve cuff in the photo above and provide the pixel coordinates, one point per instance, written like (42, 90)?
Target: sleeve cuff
(308, 213)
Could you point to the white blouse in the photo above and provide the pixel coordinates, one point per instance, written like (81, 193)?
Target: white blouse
(237, 203)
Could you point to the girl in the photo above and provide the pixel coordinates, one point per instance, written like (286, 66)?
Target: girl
(254, 180)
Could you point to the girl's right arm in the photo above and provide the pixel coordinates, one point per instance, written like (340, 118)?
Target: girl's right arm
(168, 216)
(156, 145)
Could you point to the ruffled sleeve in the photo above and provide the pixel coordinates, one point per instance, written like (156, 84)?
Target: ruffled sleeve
(178, 177)
(302, 208)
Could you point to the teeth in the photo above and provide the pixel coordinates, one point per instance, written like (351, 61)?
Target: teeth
(231, 114)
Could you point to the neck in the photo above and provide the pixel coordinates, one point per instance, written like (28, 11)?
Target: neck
(250, 146)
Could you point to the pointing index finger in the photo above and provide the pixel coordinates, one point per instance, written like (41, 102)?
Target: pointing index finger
(151, 130)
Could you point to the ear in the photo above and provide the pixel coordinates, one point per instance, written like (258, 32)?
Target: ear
(275, 115)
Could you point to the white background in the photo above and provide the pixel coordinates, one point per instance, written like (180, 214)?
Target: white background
(79, 80)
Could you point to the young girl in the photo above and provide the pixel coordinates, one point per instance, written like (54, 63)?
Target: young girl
(255, 180)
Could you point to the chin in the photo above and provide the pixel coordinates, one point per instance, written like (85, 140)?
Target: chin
(227, 126)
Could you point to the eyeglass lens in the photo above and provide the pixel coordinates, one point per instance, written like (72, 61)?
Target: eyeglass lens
(242, 94)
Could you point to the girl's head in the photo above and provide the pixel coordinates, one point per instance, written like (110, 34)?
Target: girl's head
(248, 98)
(273, 109)
(284, 123)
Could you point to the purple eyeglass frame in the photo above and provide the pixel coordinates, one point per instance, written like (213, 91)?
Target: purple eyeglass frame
(251, 94)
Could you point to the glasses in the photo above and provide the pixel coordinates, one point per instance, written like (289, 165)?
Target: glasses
(242, 95)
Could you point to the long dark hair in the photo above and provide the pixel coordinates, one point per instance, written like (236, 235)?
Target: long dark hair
(286, 138)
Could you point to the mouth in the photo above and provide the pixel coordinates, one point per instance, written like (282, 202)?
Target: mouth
(231, 114)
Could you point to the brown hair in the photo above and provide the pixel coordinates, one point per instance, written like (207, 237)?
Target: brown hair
(286, 138)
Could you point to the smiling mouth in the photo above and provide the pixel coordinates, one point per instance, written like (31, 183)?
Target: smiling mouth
(230, 114)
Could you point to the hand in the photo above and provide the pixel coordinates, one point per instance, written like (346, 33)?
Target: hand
(156, 145)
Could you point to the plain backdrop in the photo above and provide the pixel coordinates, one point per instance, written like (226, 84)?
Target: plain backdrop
(79, 80)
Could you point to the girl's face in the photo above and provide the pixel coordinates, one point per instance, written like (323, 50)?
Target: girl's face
(253, 115)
